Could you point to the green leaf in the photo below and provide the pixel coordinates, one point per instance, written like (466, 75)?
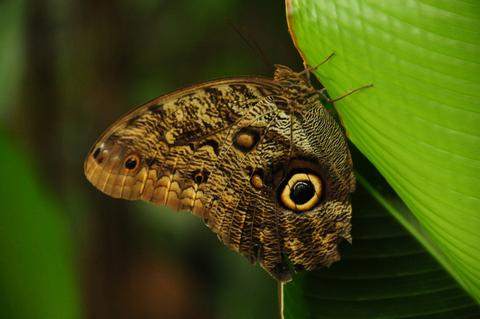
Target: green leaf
(37, 278)
(420, 123)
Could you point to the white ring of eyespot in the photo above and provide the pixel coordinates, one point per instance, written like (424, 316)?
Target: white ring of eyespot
(302, 177)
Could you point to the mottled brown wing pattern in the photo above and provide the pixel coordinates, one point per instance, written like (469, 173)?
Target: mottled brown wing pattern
(260, 160)
(166, 134)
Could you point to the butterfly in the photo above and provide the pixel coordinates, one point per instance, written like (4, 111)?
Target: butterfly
(260, 160)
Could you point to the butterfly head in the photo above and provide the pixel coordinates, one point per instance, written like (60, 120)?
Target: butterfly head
(296, 86)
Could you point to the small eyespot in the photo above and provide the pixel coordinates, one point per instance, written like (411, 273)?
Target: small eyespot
(200, 176)
(256, 178)
(246, 139)
(302, 192)
(131, 162)
(256, 181)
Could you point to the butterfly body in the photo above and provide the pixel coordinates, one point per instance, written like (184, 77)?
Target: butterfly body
(260, 160)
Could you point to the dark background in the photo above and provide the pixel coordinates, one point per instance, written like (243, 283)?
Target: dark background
(68, 69)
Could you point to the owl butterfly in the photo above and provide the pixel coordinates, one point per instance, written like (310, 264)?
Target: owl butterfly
(260, 160)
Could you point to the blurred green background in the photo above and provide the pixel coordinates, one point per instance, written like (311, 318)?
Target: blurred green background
(67, 70)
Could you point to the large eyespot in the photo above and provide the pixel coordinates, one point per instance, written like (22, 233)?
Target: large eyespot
(131, 162)
(302, 192)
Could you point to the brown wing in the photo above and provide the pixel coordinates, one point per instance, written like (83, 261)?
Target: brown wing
(178, 150)
(248, 161)
(165, 134)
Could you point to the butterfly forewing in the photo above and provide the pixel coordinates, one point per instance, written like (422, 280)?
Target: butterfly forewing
(165, 133)
(260, 160)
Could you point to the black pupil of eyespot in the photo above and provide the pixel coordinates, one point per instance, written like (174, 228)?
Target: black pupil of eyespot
(302, 192)
(97, 151)
(131, 163)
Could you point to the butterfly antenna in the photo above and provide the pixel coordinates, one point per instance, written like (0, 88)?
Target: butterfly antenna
(309, 69)
(251, 43)
(350, 92)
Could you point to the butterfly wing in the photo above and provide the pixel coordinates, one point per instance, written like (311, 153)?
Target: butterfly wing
(226, 150)
(183, 129)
